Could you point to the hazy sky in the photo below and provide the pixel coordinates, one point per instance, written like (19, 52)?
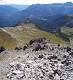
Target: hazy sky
(33, 1)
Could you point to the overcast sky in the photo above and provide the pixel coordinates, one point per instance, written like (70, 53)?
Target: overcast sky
(33, 1)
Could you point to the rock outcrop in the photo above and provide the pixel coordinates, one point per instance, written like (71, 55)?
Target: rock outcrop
(2, 49)
(41, 59)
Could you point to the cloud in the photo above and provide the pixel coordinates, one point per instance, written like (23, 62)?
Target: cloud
(33, 1)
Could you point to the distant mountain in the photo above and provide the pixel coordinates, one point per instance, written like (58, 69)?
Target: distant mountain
(48, 16)
(19, 7)
(49, 9)
(10, 14)
(6, 9)
(53, 23)
(7, 15)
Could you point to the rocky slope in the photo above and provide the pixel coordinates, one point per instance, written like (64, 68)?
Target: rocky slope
(40, 59)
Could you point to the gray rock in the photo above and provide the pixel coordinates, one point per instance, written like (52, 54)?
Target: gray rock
(53, 62)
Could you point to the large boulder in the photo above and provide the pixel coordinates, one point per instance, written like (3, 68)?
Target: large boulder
(2, 49)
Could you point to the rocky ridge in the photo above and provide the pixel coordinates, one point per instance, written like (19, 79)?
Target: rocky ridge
(40, 59)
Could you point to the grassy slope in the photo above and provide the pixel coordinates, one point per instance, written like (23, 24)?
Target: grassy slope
(23, 34)
(67, 32)
(6, 40)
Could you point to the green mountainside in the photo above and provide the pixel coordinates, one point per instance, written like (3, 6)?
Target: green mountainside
(6, 40)
(23, 33)
(67, 34)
